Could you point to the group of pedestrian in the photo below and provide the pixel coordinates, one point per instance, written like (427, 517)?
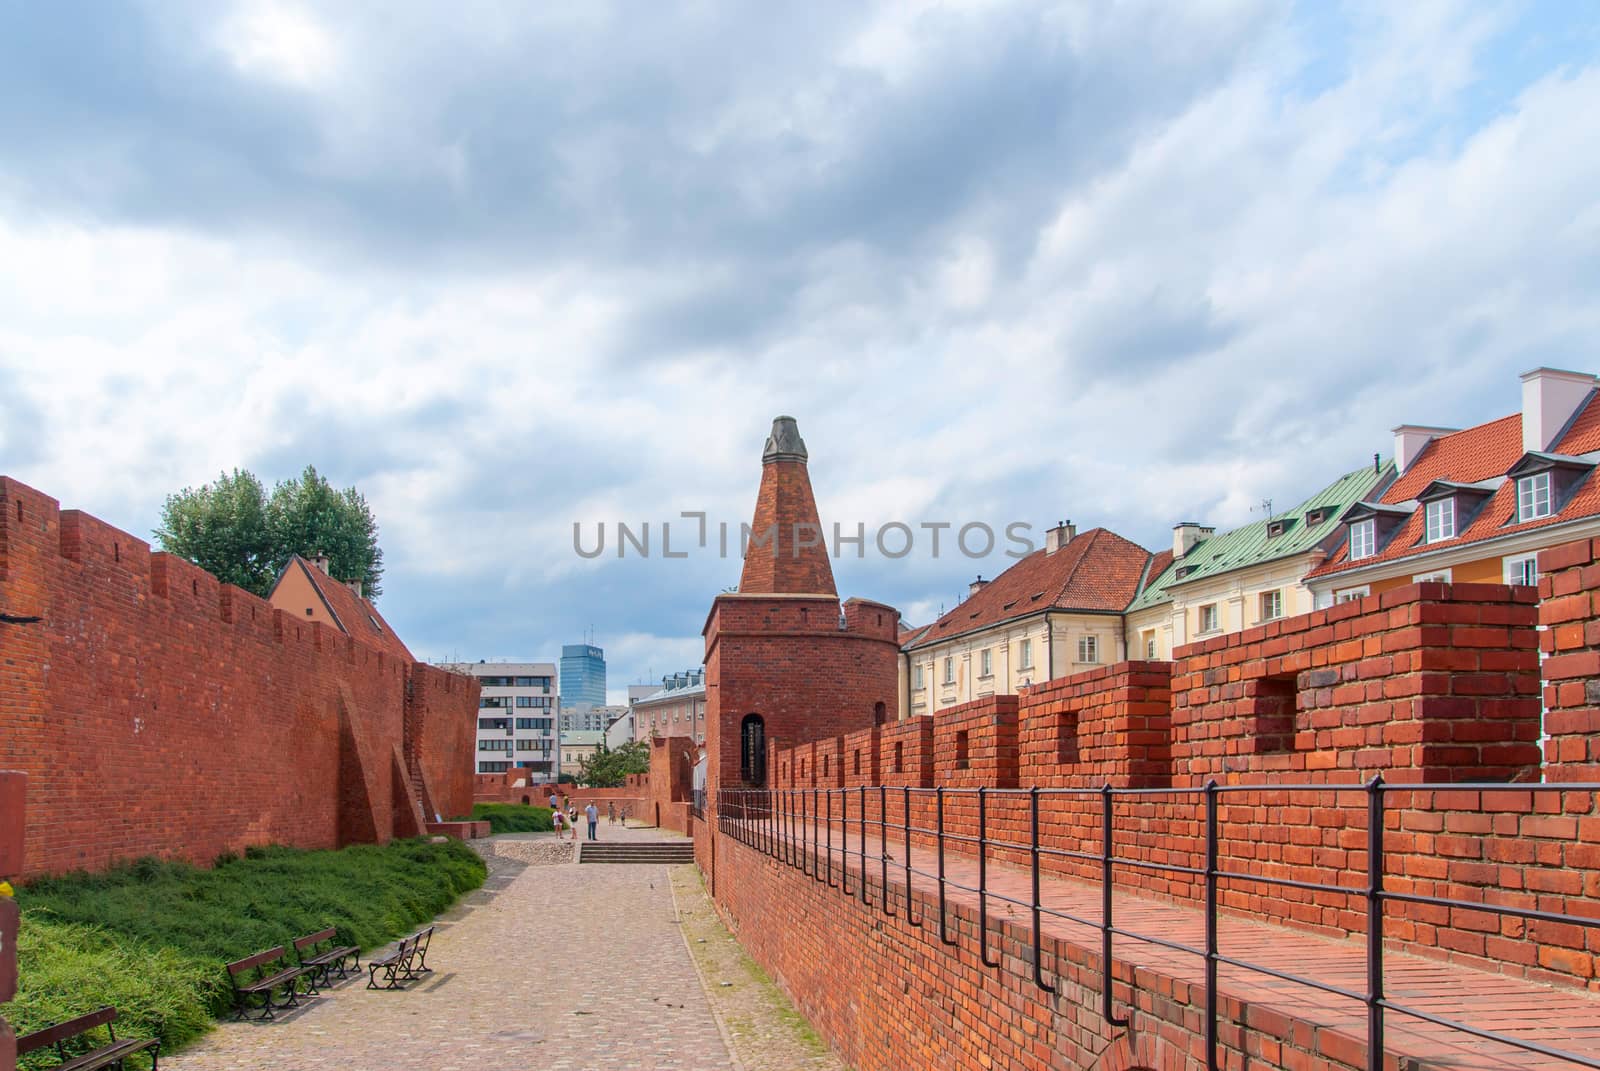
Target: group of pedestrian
(564, 817)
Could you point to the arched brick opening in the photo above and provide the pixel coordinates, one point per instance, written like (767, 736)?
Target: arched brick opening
(525, 799)
(1142, 1052)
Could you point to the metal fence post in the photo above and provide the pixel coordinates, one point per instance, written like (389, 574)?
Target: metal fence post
(1033, 853)
(905, 793)
(1107, 1006)
(863, 791)
(983, 880)
(1212, 1063)
(1375, 923)
(827, 851)
(883, 848)
(944, 924)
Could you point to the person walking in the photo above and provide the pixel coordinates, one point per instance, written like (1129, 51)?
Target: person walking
(611, 812)
(592, 813)
(558, 820)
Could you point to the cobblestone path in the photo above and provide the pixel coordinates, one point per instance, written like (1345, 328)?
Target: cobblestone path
(548, 968)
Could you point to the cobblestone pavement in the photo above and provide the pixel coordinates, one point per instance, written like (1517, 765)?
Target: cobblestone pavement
(548, 968)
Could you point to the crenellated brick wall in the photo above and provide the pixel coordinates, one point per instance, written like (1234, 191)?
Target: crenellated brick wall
(1569, 610)
(158, 711)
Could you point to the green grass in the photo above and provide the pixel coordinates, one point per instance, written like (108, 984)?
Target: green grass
(513, 817)
(152, 937)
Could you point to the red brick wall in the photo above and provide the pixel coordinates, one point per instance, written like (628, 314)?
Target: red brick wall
(160, 712)
(1428, 682)
(13, 792)
(1569, 590)
(908, 1001)
(437, 704)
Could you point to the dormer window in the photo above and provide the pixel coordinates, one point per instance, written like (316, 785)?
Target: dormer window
(1274, 529)
(1533, 497)
(1363, 540)
(1315, 517)
(1441, 516)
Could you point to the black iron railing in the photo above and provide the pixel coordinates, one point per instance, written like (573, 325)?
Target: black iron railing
(784, 825)
(697, 803)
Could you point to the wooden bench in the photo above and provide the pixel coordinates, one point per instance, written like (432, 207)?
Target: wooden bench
(395, 965)
(112, 1053)
(320, 963)
(259, 975)
(418, 965)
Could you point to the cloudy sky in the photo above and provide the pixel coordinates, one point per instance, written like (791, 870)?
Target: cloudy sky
(507, 267)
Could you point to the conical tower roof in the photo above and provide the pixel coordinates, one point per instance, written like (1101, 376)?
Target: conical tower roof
(788, 551)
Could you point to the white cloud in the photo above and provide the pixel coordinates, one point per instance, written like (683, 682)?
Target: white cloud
(279, 42)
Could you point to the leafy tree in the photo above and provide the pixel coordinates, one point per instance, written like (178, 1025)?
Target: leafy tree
(608, 769)
(222, 527)
(232, 528)
(307, 515)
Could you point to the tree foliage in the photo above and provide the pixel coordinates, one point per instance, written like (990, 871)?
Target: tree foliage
(233, 529)
(608, 769)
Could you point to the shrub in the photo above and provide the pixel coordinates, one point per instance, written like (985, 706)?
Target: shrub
(151, 937)
(513, 817)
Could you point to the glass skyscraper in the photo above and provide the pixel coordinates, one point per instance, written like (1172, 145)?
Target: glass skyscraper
(583, 676)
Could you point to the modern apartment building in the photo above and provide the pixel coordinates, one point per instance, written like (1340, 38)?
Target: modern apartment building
(578, 746)
(583, 676)
(677, 708)
(589, 719)
(517, 717)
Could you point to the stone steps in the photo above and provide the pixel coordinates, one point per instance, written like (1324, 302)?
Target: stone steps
(651, 852)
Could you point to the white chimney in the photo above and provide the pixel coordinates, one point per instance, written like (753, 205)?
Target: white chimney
(355, 586)
(976, 586)
(1549, 398)
(1185, 535)
(1059, 536)
(320, 560)
(1411, 439)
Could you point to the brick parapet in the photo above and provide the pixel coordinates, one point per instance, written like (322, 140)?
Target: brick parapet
(1569, 611)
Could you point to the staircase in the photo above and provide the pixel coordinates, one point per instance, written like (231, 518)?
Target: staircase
(655, 852)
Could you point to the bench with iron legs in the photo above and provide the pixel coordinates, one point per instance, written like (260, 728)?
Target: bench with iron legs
(393, 965)
(320, 957)
(108, 1055)
(256, 977)
(417, 965)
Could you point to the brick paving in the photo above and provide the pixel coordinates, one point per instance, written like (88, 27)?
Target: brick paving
(555, 968)
(1562, 1019)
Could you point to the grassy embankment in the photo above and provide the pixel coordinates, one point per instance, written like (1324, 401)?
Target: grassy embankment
(152, 937)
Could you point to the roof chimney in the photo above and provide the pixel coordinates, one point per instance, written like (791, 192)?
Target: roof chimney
(976, 586)
(1185, 535)
(355, 586)
(320, 560)
(1549, 398)
(1411, 439)
(1059, 536)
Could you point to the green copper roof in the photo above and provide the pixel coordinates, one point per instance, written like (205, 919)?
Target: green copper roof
(1250, 545)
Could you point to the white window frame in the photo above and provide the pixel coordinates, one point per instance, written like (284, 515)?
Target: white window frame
(1533, 497)
(916, 677)
(1521, 569)
(1150, 645)
(1276, 595)
(1363, 540)
(1438, 576)
(986, 662)
(1351, 594)
(949, 669)
(1025, 657)
(1212, 610)
(1440, 520)
(1089, 649)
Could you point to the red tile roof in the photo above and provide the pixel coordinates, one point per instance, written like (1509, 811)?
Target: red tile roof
(1095, 571)
(357, 617)
(1486, 452)
(1480, 453)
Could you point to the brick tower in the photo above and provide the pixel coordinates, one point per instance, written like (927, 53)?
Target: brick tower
(786, 663)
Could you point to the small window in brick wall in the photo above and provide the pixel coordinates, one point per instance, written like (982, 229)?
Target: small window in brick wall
(858, 762)
(825, 767)
(1272, 702)
(899, 757)
(1067, 737)
(961, 750)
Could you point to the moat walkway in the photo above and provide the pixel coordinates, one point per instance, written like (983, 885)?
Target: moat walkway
(559, 968)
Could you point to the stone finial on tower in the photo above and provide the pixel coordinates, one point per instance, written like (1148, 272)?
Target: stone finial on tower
(785, 444)
(787, 551)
